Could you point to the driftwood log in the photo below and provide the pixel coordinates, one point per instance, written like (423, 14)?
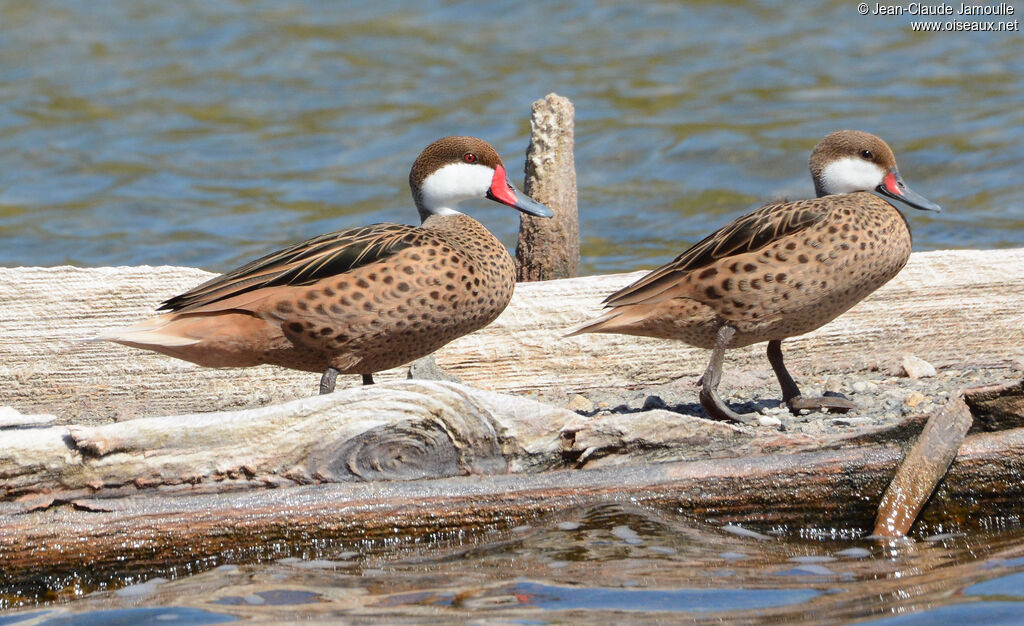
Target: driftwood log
(401, 430)
(924, 466)
(952, 308)
(162, 529)
(166, 491)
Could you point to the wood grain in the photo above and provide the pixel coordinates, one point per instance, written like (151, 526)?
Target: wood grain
(948, 307)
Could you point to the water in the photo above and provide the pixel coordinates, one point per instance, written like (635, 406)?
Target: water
(205, 133)
(600, 563)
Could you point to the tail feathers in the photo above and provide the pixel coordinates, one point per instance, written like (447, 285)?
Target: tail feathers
(627, 319)
(148, 333)
(598, 325)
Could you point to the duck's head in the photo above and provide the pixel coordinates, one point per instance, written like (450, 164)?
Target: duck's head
(851, 160)
(455, 169)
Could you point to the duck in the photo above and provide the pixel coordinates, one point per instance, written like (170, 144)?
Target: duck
(782, 270)
(359, 300)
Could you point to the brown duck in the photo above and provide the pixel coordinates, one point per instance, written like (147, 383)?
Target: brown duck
(361, 300)
(780, 271)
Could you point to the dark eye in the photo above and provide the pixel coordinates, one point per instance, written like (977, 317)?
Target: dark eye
(866, 155)
(469, 157)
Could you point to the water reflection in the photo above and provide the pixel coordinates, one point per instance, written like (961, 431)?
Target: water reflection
(603, 561)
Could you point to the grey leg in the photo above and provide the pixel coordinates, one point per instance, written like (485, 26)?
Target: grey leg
(327, 380)
(709, 398)
(789, 388)
(791, 393)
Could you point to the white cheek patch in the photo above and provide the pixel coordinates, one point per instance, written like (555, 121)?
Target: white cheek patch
(850, 174)
(443, 190)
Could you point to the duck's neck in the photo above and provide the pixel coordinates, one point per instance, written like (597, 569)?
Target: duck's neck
(426, 214)
(433, 206)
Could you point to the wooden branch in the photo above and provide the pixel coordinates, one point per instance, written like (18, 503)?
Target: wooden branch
(951, 307)
(400, 430)
(829, 489)
(202, 485)
(922, 469)
(549, 248)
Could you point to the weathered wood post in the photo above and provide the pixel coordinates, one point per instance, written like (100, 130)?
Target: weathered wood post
(549, 248)
(922, 468)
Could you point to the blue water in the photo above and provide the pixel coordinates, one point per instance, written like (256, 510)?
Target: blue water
(205, 133)
(590, 564)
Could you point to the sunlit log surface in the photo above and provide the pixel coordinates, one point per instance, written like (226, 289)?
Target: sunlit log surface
(962, 307)
(401, 430)
(157, 530)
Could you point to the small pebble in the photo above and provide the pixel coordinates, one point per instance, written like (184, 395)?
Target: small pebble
(833, 384)
(860, 386)
(914, 399)
(768, 420)
(580, 404)
(568, 525)
(254, 599)
(916, 367)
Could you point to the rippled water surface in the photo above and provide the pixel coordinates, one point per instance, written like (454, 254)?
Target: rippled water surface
(207, 132)
(594, 565)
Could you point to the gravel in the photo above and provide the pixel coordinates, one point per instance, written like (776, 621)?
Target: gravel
(881, 397)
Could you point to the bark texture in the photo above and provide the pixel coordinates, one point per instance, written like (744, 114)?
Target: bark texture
(549, 248)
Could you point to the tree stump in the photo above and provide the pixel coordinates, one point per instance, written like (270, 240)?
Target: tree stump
(549, 248)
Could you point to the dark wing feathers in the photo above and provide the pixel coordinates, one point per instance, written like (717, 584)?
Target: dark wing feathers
(305, 263)
(745, 234)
